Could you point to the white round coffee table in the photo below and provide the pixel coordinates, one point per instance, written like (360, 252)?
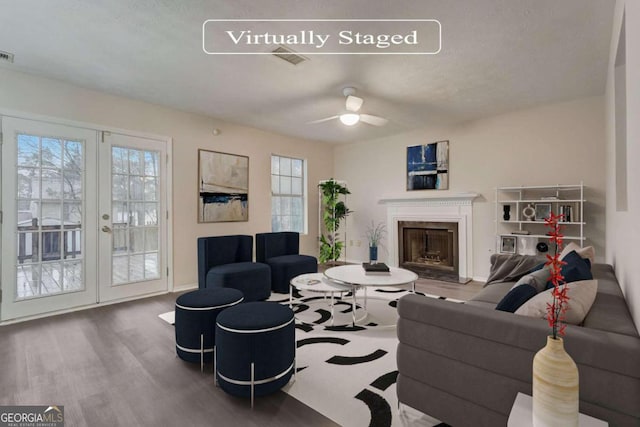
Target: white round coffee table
(355, 277)
(317, 282)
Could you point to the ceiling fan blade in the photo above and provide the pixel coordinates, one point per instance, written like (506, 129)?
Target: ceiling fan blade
(326, 119)
(354, 103)
(373, 120)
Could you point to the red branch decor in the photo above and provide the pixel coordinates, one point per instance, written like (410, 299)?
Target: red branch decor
(557, 309)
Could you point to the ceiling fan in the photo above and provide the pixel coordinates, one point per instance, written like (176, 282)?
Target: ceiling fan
(351, 116)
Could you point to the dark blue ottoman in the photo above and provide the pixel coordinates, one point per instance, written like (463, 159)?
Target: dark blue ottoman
(195, 320)
(255, 348)
(253, 279)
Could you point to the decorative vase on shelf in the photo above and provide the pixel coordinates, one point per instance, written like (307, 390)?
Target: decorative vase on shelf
(373, 254)
(555, 387)
(506, 209)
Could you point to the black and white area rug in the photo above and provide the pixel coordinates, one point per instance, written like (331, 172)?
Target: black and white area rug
(348, 373)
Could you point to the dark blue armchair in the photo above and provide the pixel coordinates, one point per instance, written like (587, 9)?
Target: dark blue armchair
(226, 262)
(281, 251)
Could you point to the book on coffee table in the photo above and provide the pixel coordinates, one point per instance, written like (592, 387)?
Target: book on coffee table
(379, 268)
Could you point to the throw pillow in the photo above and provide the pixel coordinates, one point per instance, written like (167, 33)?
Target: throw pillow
(587, 252)
(576, 268)
(538, 279)
(582, 294)
(516, 297)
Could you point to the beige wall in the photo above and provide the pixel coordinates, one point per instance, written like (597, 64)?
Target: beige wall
(35, 95)
(622, 227)
(553, 144)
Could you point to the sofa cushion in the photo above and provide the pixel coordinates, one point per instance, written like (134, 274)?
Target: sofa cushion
(581, 294)
(587, 252)
(538, 279)
(576, 268)
(516, 297)
(610, 311)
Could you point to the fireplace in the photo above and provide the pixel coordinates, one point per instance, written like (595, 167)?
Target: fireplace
(453, 209)
(429, 248)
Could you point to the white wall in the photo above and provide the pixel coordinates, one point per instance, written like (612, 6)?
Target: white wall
(31, 94)
(553, 144)
(623, 231)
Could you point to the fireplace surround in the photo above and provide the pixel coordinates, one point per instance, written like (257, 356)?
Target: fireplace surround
(456, 210)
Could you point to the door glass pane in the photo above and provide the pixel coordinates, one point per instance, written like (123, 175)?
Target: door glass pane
(136, 268)
(151, 188)
(136, 162)
(52, 153)
(28, 150)
(119, 160)
(151, 214)
(151, 164)
(135, 208)
(151, 266)
(72, 184)
(49, 212)
(120, 269)
(136, 188)
(28, 183)
(51, 183)
(120, 187)
(72, 154)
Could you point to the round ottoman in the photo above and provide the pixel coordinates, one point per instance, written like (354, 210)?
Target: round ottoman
(195, 321)
(255, 348)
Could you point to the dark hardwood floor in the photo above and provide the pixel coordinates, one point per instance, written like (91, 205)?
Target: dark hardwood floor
(116, 366)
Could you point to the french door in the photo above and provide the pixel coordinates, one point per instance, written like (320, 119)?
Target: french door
(62, 187)
(132, 217)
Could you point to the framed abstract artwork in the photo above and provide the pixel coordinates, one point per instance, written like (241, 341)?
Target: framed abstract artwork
(223, 183)
(428, 166)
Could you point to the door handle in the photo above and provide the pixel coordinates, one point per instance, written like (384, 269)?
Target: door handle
(106, 229)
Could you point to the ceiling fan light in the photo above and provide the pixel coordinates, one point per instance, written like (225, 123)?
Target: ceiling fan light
(349, 119)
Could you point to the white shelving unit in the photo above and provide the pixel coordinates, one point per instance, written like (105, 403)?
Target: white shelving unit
(568, 199)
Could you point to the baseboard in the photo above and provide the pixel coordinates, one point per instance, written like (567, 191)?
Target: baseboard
(80, 308)
(186, 287)
(479, 279)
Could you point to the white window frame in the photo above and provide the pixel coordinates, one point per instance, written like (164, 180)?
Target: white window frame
(303, 197)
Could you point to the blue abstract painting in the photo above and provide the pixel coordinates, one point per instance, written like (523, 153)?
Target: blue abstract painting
(428, 166)
(224, 187)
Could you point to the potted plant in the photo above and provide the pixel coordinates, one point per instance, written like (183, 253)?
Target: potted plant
(334, 210)
(374, 234)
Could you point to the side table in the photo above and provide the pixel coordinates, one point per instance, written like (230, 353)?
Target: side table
(522, 416)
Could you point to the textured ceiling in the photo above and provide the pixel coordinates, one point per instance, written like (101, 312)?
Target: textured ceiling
(497, 56)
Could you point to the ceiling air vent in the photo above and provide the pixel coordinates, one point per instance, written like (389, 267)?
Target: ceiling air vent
(6, 56)
(288, 55)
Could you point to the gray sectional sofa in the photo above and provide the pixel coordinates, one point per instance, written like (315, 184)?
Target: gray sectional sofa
(465, 363)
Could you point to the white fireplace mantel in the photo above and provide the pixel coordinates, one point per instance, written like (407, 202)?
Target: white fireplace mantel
(448, 207)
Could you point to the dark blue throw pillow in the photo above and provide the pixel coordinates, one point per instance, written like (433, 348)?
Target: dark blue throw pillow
(516, 297)
(576, 268)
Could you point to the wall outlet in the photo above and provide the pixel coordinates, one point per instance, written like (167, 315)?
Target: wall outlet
(358, 243)
(350, 242)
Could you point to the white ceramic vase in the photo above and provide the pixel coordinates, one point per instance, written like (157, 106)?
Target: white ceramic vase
(555, 387)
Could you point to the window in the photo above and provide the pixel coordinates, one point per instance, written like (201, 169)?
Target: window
(288, 199)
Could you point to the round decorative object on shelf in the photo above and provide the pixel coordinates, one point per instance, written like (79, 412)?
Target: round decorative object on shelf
(542, 247)
(529, 213)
